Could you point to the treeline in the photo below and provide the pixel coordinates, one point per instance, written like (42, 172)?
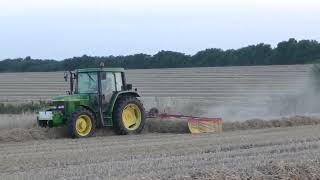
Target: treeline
(285, 53)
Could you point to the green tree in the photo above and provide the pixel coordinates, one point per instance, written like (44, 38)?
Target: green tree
(286, 52)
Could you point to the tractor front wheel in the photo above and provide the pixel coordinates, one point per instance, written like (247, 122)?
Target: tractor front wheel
(128, 116)
(81, 124)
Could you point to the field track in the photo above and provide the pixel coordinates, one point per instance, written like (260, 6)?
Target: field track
(269, 153)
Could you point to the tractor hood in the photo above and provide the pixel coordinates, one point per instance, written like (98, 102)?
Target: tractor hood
(69, 98)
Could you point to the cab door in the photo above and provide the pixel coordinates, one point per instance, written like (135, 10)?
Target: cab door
(111, 82)
(108, 87)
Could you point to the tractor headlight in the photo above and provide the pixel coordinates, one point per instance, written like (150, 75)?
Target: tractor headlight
(60, 106)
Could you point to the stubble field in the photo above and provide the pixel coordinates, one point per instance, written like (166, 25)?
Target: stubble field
(289, 153)
(252, 149)
(283, 148)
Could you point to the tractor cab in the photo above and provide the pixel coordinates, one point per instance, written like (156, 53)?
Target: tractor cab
(98, 97)
(97, 82)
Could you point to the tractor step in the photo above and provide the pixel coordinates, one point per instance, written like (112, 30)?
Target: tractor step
(107, 120)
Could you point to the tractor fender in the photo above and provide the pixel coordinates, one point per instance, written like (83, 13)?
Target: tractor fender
(89, 109)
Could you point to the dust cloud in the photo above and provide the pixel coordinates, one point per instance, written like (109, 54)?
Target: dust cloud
(304, 100)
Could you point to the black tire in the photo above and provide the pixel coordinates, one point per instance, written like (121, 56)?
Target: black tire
(118, 124)
(73, 120)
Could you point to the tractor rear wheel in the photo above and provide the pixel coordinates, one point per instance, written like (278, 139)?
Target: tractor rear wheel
(128, 116)
(82, 123)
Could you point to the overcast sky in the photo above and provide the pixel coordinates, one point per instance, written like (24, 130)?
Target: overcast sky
(57, 29)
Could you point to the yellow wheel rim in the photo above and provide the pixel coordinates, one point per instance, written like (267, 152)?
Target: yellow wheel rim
(83, 125)
(131, 117)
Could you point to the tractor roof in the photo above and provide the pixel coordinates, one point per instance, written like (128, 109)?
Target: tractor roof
(100, 70)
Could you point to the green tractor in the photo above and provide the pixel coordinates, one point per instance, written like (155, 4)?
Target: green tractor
(98, 97)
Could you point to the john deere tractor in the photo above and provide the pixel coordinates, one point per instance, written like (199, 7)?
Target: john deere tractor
(98, 97)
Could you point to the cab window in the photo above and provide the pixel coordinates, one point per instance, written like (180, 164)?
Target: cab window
(87, 83)
(119, 82)
(107, 83)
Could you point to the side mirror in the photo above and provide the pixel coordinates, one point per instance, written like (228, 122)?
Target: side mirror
(65, 76)
(128, 86)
